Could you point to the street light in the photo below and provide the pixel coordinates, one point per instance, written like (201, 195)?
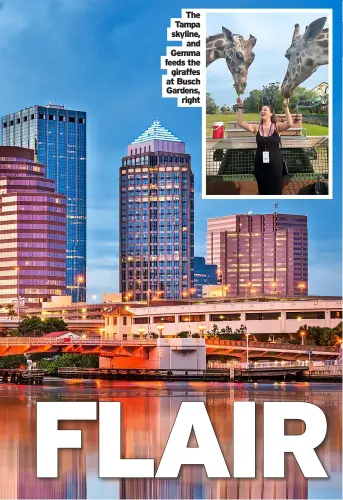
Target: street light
(202, 329)
(302, 287)
(148, 293)
(185, 294)
(247, 336)
(80, 279)
(160, 329)
(141, 332)
(94, 298)
(18, 294)
(302, 334)
(274, 287)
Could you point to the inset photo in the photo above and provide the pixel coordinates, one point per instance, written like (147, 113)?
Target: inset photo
(268, 107)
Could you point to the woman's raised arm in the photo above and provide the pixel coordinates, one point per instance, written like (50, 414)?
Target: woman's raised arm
(289, 122)
(246, 126)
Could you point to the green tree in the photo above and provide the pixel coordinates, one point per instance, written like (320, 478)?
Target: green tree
(11, 312)
(253, 102)
(183, 335)
(66, 360)
(32, 326)
(301, 94)
(271, 95)
(317, 335)
(224, 109)
(12, 361)
(211, 107)
(54, 325)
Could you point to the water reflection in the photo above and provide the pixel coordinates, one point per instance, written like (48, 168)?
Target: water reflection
(148, 413)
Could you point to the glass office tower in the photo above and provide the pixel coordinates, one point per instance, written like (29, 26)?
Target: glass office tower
(58, 137)
(260, 254)
(156, 217)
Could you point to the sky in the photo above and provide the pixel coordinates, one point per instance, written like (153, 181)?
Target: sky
(103, 57)
(273, 32)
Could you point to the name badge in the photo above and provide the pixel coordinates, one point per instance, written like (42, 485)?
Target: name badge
(265, 156)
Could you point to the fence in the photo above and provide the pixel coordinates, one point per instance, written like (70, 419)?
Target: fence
(231, 160)
(317, 119)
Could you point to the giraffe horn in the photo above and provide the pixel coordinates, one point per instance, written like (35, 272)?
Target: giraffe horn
(296, 32)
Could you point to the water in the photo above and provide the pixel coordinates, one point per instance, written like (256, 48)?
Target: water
(148, 412)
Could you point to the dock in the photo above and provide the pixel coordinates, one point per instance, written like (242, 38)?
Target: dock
(19, 376)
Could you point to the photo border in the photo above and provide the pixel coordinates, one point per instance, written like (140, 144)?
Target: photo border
(329, 13)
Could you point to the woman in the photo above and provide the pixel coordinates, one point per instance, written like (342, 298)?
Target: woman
(268, 158)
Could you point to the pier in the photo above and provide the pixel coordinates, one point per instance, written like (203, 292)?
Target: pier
(19, 376)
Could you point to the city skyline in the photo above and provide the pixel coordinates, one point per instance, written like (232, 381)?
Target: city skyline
(111, 126)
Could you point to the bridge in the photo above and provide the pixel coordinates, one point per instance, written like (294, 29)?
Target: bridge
(163, 353)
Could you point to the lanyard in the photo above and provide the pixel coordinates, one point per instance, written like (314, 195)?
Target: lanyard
(266, 137)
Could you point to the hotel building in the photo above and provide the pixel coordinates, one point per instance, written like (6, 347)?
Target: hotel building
(259, 254)
(156, 217)
(32, 230)
(58, 136)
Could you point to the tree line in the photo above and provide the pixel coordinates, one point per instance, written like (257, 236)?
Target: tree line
(270, 94)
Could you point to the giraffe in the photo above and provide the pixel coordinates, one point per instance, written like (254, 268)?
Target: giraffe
(306, 53)
(236, 51)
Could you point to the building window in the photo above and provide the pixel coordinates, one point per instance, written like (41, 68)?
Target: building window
(32, 117)
(194, 318)
(51, 117)
(336, 314)
(164, 319)
(299, 315)
(263, 316)
(61, 118)
(125, 320)
(71, 119)
(225, 317)
(41, 116)
(82, 120)
(25, 118)
(141, 321)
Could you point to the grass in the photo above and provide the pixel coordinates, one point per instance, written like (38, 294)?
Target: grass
(311, 129)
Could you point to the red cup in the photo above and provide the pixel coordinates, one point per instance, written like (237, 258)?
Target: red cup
(218, 130)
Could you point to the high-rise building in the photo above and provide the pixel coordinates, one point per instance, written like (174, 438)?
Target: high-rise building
(204, 274)
(260, 254)
(58, 137)
(156, 217)
(32, 230)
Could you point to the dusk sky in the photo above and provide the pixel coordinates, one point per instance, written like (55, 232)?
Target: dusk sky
(103, 57)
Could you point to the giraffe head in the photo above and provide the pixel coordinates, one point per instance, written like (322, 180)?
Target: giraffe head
(306, 53)
(238, 55)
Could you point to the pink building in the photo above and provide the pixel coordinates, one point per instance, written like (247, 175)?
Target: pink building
(259, 254)
(32, 230)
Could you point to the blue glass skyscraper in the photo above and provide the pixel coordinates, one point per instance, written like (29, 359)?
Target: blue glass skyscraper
(58, 136)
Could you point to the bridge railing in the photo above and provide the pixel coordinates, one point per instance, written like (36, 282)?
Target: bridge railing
(8, 341)
(271, 345)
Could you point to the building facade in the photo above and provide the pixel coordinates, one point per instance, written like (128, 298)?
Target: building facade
(156, 217)
(58, 137)
(204, 274)
(259, 254)
(32, 230)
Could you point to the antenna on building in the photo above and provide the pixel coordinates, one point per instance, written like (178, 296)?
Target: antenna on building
(276, 206)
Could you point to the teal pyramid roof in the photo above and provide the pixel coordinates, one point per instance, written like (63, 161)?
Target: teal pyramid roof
(156, 131)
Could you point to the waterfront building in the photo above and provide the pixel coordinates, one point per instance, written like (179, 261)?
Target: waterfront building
(32, 230)
(262, 316)
(58, 136)
(259, 254)
(204, 274)
(156, 217)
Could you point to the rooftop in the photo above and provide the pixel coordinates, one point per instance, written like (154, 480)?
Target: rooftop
(156, 132)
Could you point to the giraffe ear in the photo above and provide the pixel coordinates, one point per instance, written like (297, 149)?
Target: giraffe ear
(227, 34)
(314, 29)
(253, 40)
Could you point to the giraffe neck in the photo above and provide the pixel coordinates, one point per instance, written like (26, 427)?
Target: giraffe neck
(215, 48)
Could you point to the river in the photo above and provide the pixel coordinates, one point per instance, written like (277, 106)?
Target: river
(148, 413)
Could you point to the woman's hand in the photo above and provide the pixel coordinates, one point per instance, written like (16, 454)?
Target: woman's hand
(239, 102)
